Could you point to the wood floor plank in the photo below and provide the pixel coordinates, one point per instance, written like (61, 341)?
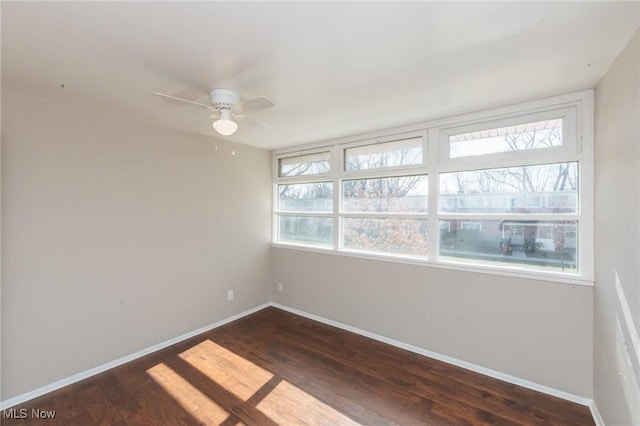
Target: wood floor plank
(273, 367)
(484, 392)
(426, 383)
(315, 344)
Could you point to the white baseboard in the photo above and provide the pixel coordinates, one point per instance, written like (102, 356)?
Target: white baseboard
(595, 413)
(444, 358)
(449, 360)
(109, 365)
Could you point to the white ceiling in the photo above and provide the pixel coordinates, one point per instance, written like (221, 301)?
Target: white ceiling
(333, 68)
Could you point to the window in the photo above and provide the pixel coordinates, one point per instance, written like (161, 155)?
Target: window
(301, 165)
(386, 215)
(311, 230)
(403, 194)
(504, 200)
(477, 226)
(527, 244)
(520, 137)
(503, 190)
(512, 190)
(304, 210)
(306, 197)
(386, 154)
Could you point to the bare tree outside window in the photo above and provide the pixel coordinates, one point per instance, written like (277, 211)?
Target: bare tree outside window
(382, 199)
(504, 188)
(384, 155)
(302, 165)
(523, 190)
(523, 137)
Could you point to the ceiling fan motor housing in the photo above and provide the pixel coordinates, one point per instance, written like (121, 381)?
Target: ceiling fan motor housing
(223, 98)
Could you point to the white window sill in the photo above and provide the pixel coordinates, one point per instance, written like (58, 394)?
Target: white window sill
(570, 279)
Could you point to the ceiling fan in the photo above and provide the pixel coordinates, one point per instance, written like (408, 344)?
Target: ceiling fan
(226, 106)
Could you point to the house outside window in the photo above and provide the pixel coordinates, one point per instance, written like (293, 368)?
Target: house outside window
(509, 189)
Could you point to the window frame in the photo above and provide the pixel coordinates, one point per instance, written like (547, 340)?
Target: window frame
(493, 160)
(576, 110)
(312, 178)
(300, 153)
(342, 214)
(383, 171)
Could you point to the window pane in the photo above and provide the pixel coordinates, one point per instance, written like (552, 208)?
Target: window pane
(309, 164)
(388, 154)
(541, 134)
(406, 194)
(549, 188)
(306, 197)
(387, 235)
(315, 231)
(549, 246)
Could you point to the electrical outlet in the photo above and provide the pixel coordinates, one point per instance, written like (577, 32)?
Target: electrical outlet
(279, 286)
(230, 295)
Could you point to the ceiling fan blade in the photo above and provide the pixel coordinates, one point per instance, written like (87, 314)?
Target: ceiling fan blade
(237, 115)
(261, 102)
(184, 100)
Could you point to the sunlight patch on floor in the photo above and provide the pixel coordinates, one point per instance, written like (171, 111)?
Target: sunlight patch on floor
(289, 405)
(197, 404)
(234, 373)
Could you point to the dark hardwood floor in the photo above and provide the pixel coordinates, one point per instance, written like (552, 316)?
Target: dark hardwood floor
(273, 367)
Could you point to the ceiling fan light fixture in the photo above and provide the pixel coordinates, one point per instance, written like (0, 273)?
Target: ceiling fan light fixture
(224, 124)
(225, 127)
(225, 105)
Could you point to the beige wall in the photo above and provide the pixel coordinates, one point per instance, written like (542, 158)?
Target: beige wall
(617, 140)
(117, 236)
(534, 330)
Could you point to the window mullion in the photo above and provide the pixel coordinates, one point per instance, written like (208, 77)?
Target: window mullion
(385, 215)
(337, 165)
(304, 214)
(433, 147)
(548, 217)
